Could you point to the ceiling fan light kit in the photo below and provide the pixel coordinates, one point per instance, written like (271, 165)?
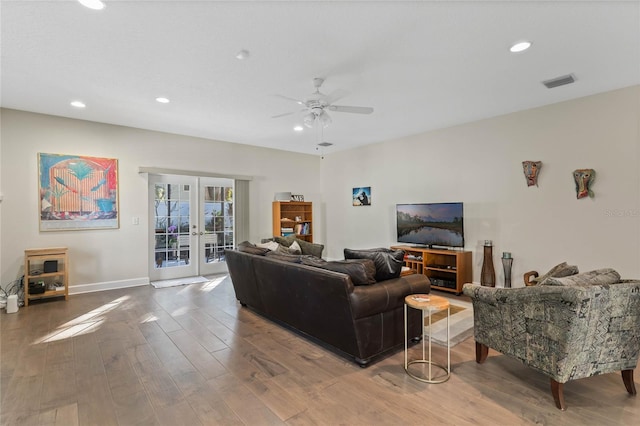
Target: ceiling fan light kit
(317, 114)
(317, 103)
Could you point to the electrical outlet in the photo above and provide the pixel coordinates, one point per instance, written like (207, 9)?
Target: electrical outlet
(135, 220)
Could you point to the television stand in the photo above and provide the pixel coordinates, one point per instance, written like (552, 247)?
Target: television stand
(448, 270)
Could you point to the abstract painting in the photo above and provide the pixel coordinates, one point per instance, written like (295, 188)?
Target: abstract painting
(77, 192)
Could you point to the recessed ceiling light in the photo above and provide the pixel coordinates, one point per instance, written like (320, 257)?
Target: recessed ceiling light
(162, 100)
(78, 104)
(298, 128)
(520, 46)
(92, 4)
(243, 54)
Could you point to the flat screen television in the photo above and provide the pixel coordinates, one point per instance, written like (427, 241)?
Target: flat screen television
(430, 224)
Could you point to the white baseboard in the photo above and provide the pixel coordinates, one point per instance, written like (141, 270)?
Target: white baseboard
(108, 285)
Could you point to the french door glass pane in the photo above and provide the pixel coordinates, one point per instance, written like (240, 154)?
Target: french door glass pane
(172, 225)
(218, 222)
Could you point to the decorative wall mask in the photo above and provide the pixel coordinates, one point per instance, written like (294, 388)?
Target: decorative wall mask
(531, 170)
(584, 179)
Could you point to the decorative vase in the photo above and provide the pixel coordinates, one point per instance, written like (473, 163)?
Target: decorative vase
(507, 262)
(488, 275)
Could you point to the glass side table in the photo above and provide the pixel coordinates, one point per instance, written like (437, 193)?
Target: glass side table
(428, 304)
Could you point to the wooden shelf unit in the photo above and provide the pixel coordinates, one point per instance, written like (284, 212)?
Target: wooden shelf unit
(34, 271)
(285, 214)
(448, 270)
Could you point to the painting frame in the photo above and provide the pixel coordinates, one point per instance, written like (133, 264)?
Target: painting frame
(77, 192)
(361, 196)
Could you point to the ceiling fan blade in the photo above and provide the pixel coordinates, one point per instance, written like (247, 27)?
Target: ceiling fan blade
(282, 115)
(354, 109)
(335, 96)
(298, 101)
(288, 113)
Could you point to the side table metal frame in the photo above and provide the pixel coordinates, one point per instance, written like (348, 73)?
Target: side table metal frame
(424, 360)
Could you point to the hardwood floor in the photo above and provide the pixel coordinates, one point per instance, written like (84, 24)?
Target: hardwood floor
(192, 356)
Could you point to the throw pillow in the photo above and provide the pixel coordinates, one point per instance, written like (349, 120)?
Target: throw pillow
(361, 271)
(388, 262)
(294, 248)
(285, 257)
(247, 247)
(285, 241)
(312, 249)
(305, 247)
(598, 277)
(271, 245)
(558, 271)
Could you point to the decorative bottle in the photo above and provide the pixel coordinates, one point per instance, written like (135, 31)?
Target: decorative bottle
(488, 275)
(507, 262)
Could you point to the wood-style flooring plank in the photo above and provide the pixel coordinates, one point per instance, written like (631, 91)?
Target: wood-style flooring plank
(197, 355)
(199, 332)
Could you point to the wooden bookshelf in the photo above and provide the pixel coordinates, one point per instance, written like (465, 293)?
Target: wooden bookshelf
(293, 218)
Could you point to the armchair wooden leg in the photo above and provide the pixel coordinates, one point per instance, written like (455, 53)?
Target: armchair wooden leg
(482, 352)
(627, 378)
(558, 395)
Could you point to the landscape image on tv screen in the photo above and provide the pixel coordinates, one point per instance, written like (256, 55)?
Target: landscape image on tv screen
(434, 224)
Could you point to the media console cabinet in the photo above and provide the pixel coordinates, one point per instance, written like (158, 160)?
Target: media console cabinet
(448, 270)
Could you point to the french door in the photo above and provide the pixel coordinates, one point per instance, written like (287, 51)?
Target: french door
(192, 223)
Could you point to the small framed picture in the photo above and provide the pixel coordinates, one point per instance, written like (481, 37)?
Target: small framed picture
(362, 196)
(297, 197)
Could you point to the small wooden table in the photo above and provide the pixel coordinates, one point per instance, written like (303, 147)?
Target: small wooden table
(428, 304)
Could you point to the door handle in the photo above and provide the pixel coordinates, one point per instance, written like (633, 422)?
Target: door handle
(194, 233)
(201, 232)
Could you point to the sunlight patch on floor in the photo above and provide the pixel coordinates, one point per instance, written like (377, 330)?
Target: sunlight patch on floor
(149, 318)
(213, 283)
(82, 324)
(180, 311)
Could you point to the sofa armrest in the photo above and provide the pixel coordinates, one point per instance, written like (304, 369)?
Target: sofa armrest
(386, 295)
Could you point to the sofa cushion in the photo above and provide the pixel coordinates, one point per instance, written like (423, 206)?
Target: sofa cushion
(285, 257)
(361, 271)
(271, 245)
(388, 262)
(251, 248)
(306, 247)
(312, 249)
(598, 277)
(294, 248)
(558, 271)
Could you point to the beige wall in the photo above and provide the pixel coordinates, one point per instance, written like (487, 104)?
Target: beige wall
(480, 164)
(477, 163)
(109, 258)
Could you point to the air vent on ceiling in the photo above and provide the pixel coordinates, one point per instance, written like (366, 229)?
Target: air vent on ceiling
(559, 81)
(325, 144)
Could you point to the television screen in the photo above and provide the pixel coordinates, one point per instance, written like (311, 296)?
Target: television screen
(431, 224)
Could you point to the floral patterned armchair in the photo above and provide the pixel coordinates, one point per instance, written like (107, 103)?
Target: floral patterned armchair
(566, 328)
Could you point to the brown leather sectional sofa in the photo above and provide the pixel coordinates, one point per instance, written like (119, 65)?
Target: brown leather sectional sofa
(362, 321)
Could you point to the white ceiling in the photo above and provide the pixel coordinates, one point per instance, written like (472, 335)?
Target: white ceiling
(422, 65)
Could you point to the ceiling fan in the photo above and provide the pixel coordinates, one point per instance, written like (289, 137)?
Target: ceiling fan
(317, 103)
